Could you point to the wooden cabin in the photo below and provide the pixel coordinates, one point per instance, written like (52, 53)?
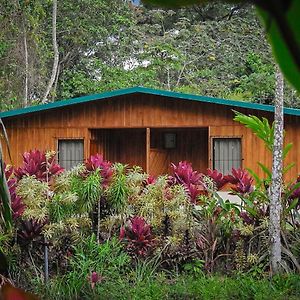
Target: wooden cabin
(150, 128)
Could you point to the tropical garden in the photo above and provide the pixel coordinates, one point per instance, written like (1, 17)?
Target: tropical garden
(105, 230)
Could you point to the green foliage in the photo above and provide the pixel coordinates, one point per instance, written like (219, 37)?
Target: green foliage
(62, 206)
(107, 259)
(195, 267)
(283, 34)
(34, 195)
(281, 21)
(81, 25)
(117, 193)
(146, 269)
(88, 190)
(263, 130)
(187, 287)
(256, 73)
(5, 201)
(110, 45)
(259, 127)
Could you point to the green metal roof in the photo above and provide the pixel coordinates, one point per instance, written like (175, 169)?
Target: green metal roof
(143, 90)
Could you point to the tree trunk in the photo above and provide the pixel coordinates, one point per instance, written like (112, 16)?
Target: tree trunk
(25, 100)
(56, 82)
(56, 53)
(275, 201)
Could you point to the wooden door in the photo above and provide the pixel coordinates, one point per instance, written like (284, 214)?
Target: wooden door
(159, 162)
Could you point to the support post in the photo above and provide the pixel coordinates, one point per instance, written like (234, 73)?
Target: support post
(147, 150)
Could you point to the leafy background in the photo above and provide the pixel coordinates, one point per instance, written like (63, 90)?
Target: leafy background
(216, 50)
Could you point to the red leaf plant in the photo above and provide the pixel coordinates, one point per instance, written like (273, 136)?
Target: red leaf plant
(241, 180)
(136, 234)
(97, 162)
(190, 179)
(29, 230)
(17, 205)
(95, 278)
(296, 193)
(219, 179)
(246, 217)
(39, 164)
(150, 180)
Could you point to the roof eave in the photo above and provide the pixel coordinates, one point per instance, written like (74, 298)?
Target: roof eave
(143, 90)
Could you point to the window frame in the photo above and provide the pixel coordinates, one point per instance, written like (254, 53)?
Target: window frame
(211, 144)
(58, 139)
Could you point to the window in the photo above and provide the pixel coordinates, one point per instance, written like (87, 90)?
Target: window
(227, 154)
(70, 153)
(170, 140)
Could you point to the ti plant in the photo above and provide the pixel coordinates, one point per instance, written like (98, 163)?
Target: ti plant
(96, 162)
(17, 204)
(184, 174)
(40, 164)
(136, 234)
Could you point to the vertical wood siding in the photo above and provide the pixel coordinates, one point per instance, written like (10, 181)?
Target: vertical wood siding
(41, 130)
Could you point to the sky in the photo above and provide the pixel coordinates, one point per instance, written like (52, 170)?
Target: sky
(136, 2)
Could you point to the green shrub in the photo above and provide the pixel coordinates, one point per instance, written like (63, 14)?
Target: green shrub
(107, 259)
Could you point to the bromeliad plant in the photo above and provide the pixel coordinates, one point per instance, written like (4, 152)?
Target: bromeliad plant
(136, 234)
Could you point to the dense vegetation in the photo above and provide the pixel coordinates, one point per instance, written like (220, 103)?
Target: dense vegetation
(100, 226)
(106, 230)
(215, 50)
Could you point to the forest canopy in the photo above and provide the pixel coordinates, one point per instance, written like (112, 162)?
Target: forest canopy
(214, 49)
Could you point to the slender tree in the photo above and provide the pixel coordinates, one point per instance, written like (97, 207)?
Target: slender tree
(56, 53)
(25, 99)
(275, 199)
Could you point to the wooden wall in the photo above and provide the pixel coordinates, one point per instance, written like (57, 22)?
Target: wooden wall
(127, 146)
(191, 145)
(42, 129)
